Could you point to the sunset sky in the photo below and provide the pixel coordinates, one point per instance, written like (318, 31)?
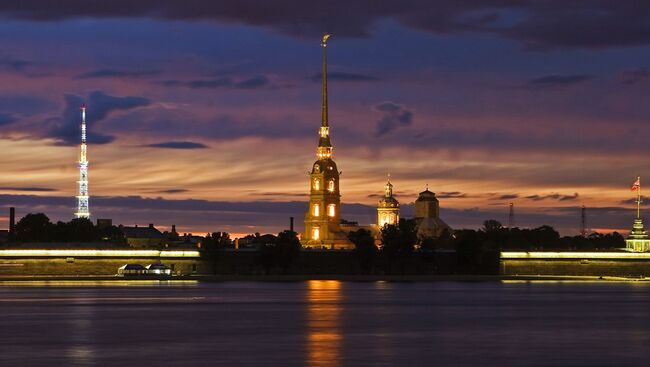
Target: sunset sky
(205, 114)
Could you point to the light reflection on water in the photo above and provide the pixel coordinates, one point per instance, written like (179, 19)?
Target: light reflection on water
(327, 323)
(324, 322)
(81, 350)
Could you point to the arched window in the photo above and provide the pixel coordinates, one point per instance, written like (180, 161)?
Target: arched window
(331, 210)
(316, 210)
(316, 184)
(330, 186)
(315, 233)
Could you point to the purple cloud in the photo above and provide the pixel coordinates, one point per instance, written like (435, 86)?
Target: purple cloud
(223, 82)
(634, 76)
(178, 145)
(100, 105)
(113, 73)
(540, 25)
(344, 77)
(393, 117)
(557, 81)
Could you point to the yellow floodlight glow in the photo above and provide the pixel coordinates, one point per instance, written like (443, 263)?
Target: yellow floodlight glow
(575, 255)
(96, 253)
(180, 254)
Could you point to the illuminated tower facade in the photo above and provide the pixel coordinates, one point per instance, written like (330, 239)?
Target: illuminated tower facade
(322, 220)
(388, 207)
(427, 215)
(82, 197)
(638, 240)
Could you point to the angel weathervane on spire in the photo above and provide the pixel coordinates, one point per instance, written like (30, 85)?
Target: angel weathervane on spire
(326, 36)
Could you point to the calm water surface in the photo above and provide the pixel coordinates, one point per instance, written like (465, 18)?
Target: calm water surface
(325, 323)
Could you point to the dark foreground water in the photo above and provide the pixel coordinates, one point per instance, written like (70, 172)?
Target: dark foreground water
(326, 323)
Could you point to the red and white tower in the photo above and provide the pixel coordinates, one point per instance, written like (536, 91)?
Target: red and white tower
(82, 198)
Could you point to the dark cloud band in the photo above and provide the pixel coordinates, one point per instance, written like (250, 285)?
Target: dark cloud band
(178, 145)
(536, 24)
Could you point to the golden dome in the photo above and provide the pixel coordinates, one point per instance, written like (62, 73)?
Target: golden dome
(324, 165)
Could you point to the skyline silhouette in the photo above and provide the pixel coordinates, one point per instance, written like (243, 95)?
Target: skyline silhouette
(208, 120)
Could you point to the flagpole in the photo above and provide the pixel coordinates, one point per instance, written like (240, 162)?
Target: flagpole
(638, 200)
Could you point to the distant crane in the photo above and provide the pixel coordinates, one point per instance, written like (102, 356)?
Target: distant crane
(511, 216)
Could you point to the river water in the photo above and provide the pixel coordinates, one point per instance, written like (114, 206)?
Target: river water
(325, 323)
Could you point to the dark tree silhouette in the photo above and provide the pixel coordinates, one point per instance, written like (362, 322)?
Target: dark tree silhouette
(364, 248)
(287, 249)
(221, 239)
(81, 230)
(398, 241)
(267, 256)
(34, 228)
(469, 250)
(492, 225)
(213, 245)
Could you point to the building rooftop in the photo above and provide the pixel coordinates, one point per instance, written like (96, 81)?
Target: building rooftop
(141, 232)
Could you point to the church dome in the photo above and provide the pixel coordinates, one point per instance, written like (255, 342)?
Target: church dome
(427, 195)
(324, 165)
(388, 202)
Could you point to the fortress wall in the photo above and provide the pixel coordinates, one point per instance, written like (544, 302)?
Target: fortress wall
(93, 265)
(584, 264)
(227, 263)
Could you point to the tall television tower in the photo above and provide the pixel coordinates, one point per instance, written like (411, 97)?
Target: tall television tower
(82, 197)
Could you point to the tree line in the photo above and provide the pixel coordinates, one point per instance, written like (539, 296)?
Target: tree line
(475, 249)
(38, 228)
(279, 251)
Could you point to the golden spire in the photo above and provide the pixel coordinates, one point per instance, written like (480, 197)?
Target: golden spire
(324, 150)
(324, 119)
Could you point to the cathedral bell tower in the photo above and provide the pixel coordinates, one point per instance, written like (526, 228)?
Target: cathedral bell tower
(322, 220)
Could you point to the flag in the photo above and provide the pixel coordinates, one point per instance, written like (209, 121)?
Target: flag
(637, 184)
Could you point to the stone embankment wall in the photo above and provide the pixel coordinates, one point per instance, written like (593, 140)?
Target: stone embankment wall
(51, 262)
(96, 264)
(582, 264)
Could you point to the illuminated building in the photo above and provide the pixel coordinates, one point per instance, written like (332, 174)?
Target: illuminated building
(427, 215)
(322, 220)
(637, 240)
(388, 207)
(82, 198)
(142, 237)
